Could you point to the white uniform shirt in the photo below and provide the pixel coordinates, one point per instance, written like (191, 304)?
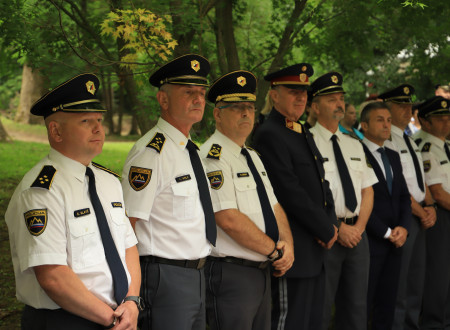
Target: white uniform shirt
(237, 190)
(162, 192)
(71, 236)
(435, 161)
(409, 172)
(362, 176)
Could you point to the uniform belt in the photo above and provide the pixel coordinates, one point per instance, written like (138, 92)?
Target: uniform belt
(242, 262)
(349, 221)
(196, 263)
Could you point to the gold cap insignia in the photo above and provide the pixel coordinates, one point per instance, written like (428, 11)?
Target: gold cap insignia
(241, 81)
(406, 90)
(334, 79)
(304, 68)
(90, 87)
(444, 104)
(303, 77)
(195, 65)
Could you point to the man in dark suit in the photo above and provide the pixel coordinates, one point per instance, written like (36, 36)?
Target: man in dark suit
(389, 222)
(295, 169)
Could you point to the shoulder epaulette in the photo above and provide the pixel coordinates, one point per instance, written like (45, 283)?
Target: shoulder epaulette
(352, 135)
(101, 167)
(215, 151)
(45, 178)
(417, 141)
(426, 147)
(254, 151)
(157, 142)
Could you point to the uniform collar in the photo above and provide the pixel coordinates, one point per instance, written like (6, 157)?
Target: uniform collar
(434, 140)
(228, 144)
(325, 133)
(69, 165)
(174, 134)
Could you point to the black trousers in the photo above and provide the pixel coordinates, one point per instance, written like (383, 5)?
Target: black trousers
(54, 319)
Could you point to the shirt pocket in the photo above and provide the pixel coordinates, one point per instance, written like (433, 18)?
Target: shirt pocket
(356, 169)
(331, 174)
(119, 228)
(185, 200)
(246, 194)
(86, 243)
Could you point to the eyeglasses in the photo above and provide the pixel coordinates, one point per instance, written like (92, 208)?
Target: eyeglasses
(239, 107)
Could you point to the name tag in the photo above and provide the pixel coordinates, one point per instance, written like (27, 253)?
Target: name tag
(444, 162)
(243, 175)
(264, 173)
(183, 178)
(355, 158)
(82, 212)
(116, 204)
(325, 159)
(416, 150)
(404, 151)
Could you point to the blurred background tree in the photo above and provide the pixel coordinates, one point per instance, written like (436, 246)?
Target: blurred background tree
(375, 44)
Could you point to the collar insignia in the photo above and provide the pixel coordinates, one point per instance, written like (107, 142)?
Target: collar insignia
(296, 127)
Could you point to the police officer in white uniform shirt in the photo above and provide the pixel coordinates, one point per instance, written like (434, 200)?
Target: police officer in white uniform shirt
(73, 249)
(412, 273)
(253, 230)
(169, 202)
(434, 115)
(351, 180)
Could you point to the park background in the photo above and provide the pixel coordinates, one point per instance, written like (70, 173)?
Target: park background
(375, 44)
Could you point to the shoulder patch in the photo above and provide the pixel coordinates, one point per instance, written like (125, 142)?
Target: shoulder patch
(426, 166)
(426, 147)
(157, 142)
(103, 168)
(139, 177)
(45, 178)
(215, 179)
(215, 151)
(36, 221)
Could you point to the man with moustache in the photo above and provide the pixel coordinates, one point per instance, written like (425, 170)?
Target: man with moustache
(294, 165)
(434, 115)
(412, 274)
(389, 222)
(351, 180)
(252, 229)
(168, 199)
(74, 252)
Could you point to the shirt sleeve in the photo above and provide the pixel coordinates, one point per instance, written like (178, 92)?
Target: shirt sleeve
(433, 170)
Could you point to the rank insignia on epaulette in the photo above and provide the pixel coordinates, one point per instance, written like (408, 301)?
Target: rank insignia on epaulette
(36, 221)
(292, 125)
(215, 179)
(369, 165)
(426, 166)
(426, 147)
(417, 141)
(139, 177)
(215, 151)
(45, 178)
(103, 168)
(157, 142)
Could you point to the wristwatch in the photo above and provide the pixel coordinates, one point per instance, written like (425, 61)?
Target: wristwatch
(138, 300)
(112, 324)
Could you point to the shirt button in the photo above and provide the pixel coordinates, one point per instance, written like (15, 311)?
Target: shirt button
(321, 180)
(325, 203)
(315, 157)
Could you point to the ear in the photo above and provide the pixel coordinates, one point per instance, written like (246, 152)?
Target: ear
(55, 131)
(217, 114)
(273, 93)
(315, 108)
(364, 126)
(163, 99)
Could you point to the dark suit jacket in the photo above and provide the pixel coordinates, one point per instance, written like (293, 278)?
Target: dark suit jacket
(388, 210)
(295, 169)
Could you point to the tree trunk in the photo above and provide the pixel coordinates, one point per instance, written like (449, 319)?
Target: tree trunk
(224, 17)
(4, 137)
(108, 100)
(31, 90)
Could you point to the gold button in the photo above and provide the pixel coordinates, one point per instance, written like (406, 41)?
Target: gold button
(315, 157)
(321, 180)
(325, 203)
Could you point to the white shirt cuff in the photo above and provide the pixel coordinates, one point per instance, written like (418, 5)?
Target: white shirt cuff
(388, 233)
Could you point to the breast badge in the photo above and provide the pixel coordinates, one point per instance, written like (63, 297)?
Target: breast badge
(36, 221)
(139, 177)
(215, 179)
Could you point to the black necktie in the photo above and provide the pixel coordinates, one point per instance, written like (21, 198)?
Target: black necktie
(447, 150)
(203, 189)
(346, 180)
(269, 218)
(387, 168)
(120, 281)
(415, 161)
